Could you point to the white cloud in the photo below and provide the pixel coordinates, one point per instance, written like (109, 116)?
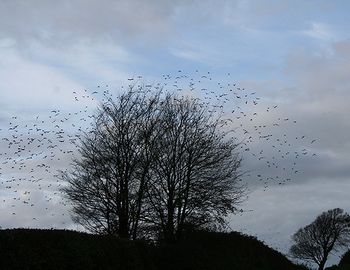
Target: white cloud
(85, 61)
(320, 31)
(188, 54)
(26, 84)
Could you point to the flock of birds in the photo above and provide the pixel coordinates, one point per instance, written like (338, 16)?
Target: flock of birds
(35, 148)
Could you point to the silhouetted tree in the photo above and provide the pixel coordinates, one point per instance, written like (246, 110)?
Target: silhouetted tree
(195, 170)
(329, 232)
(151, 164)
(107, 183)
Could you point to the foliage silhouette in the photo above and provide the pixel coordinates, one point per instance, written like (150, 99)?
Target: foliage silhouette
(329, 232)
(58, 249)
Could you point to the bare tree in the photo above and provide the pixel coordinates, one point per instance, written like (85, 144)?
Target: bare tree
(151, 164)
(195, 170)
(329, 232)
(107, 183)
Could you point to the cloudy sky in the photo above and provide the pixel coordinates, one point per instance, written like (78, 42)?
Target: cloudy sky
(294, 54)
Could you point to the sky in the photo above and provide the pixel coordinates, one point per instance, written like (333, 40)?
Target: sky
(293, 54)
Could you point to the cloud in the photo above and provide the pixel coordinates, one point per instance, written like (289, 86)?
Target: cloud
(27, 85)
(319, 31)
(315, 92)
(39, 77)
(66, 21)
(188, 54)
(85, 62)
(323, 83)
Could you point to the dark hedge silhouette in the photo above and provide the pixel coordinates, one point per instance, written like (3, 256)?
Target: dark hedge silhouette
(345, 260)
(25, 249)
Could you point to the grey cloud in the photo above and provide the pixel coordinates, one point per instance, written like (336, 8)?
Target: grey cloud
(58, 21)
(317, 100)
(62, 22)
(316, 95)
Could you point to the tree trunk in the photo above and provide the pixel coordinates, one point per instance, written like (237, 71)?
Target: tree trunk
(123, 226)
(124, 216)
(169, 234)
(322, 264)
(140, 196)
